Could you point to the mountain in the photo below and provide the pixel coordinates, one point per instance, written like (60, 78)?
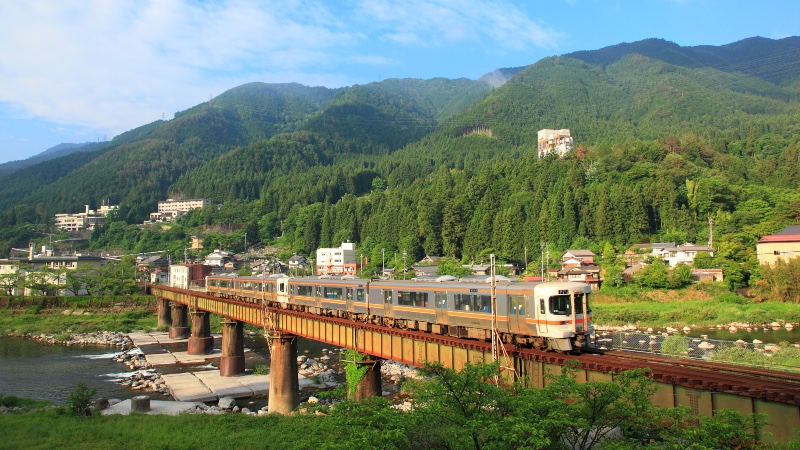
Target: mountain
(51, 153)
(665, 136)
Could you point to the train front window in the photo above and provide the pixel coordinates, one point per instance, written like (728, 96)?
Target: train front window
(560, 305)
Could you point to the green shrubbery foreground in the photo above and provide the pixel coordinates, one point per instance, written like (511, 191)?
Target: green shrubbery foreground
(451, 411)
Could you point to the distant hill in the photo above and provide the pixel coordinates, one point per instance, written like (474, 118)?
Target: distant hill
(776, 61)
(665, 136)
(51, 153)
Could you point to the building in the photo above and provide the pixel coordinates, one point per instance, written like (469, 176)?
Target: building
(784, 245)
(554, 141)
(187, 276)
(169, 209)
(218, 258)
(297, 263)
(684, 253)
(578, 265)
(89, 219)
(13, 271)
(337, 261)
(582, 256)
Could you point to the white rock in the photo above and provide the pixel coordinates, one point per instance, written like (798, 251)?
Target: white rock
(226, 403)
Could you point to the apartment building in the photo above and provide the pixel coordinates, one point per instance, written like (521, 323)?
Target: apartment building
(337, 261)
(554, 141)
(169, 209)
(89, 219)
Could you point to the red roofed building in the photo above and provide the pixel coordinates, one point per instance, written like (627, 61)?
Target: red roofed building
(784, 244)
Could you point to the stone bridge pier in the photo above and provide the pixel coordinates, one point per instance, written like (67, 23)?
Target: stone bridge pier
(284, 387)
(231, 363)
(201, 342)
(180, 323)
(370, 384)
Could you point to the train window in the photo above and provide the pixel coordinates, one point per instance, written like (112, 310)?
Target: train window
(223, 283)
(560, 305)
(307, 291)
(541, 306)
(360, 295)
(387, 296)
(412, 298)
(473, 302)
(333, 293)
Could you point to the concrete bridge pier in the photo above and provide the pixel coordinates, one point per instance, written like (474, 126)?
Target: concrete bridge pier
(284, 387)
(164, 316)
(231, 363)
(180, 322)
(201, 342)
(370, 384)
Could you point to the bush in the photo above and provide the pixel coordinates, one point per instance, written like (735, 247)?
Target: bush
(80, 399)
(757, 316)
(675, 345)
(731, 297)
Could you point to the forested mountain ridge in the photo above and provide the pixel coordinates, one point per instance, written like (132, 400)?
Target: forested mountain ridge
(660, 148)
(59, 150)
(138, 167)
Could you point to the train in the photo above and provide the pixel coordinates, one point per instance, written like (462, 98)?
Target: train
(551, 315)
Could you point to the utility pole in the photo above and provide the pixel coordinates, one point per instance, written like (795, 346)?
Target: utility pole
(710, 232)
(245, 242)
(383, 261)
(404, 264)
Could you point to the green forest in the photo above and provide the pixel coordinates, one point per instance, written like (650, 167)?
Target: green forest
(667, 140)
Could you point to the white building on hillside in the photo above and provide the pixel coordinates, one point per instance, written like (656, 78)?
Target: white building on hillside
(337, 261)
(554, 141)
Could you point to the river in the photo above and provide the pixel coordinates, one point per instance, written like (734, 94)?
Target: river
(29, 369)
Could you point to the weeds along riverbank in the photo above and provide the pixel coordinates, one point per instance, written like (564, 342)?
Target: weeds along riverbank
(700, 305)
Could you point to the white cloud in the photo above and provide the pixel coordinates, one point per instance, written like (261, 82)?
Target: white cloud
(114, 65)
(122, 63)
(497, 24)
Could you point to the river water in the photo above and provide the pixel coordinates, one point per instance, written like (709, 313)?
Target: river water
(29, 369)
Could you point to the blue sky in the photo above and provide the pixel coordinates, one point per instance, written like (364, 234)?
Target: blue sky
(87, 70)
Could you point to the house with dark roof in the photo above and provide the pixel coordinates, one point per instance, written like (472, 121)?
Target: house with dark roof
(784, 244)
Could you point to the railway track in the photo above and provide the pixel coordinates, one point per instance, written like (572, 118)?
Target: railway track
(752, 382)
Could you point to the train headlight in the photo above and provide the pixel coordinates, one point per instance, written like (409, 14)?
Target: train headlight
(565, 322)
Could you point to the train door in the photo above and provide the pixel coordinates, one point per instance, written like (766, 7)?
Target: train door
(516, 314)
(387, 303)
(282, 290)
(542, 312)
(440, 306)
(348, 295)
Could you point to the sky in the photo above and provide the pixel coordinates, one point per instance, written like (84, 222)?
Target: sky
(74, 71)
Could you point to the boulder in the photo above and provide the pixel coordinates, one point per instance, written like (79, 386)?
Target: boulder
(226, 403)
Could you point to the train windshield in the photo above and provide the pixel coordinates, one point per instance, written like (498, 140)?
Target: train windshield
(560, 305)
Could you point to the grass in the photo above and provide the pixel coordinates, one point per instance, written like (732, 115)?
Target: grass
(65, 431)
(699, 305)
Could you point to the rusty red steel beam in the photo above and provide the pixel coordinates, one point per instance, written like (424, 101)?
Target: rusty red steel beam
(710, 376)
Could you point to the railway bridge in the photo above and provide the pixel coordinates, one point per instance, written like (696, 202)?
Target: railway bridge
(703, 387)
